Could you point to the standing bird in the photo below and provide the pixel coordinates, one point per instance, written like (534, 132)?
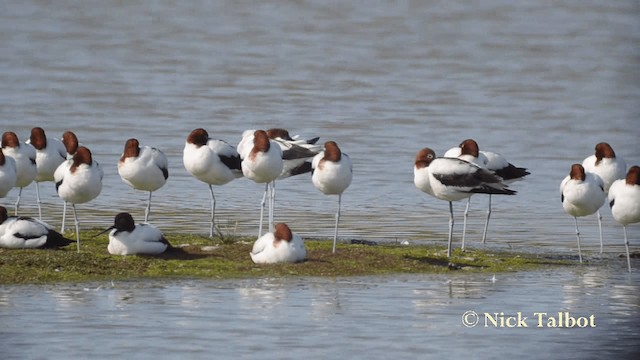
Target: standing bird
(78, 181)
(50, 153)
(25, 157)
(70, 142)
(582, 194)
(28, 233)
(469, 151)
(624, 199)
(211, 161)
(609, 168)
(279, 246)
(261, 162)
(7, 174)
(332, 173)
(143, 169)
(127, 238)
(454, 179)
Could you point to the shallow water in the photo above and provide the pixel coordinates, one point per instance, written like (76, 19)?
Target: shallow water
(378, 317)
(540, 83)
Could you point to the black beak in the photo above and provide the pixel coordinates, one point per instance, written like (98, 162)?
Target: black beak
(104, 231)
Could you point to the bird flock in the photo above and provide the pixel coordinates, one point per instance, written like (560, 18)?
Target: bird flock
(268, 156)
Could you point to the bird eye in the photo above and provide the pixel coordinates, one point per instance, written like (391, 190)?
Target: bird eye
(430, 156)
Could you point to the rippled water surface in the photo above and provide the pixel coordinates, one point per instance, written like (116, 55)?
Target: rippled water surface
(539, 82)
(374, 317)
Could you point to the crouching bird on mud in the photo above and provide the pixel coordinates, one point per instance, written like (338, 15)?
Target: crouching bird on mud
(127, 238)
(279, 246)
(21, 232)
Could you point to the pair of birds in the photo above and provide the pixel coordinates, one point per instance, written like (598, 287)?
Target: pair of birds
(600, 176)
(264, 157)
(77, 177)
(125, 237)
(462, 172)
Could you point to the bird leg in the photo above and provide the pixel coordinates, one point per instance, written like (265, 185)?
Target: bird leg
(335, 231)
(18, 202)
(578, 236)
(272, 204)
(626, 246)
(64, 216)
(147, 210)
(486, 223)
(38, 201)
(75, 219)
(464, 223)
(600, 229)
(264, 199)
(450, 228)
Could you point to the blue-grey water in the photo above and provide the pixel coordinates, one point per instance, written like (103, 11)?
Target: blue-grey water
(540, 82)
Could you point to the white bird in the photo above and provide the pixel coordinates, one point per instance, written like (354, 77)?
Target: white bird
(332, 174)
(143, 169)
(50, 153)
(262, 163)
(25, 157)
(7, 174)
(297, 154)
(582, 194)
(624, 199)
(469, 151)
(609, 168)
(70, 142)
(127, 238)
(211, 161)
(28, 233)
(454, 179)
(78, 181)
(279, 246)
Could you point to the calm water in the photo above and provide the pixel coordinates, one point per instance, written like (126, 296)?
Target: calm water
(388, 317)
(541, 83)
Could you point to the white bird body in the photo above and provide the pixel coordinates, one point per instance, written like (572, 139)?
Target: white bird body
(210, 162)
(7, 174)
(25, 157)
(50, 153)
(261, 157)
(606, 165)
(582, 195)
(147, 170)
(278, 247)
(78, 182)
(331, 177)
(127, 238)
(28, 233)
(624, 199)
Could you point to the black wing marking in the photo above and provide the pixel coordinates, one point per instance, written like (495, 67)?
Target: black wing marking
(512, 172)
(232, 162)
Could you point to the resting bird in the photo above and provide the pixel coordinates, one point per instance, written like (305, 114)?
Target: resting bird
(20, 232)
(127, 238)
(277, 247)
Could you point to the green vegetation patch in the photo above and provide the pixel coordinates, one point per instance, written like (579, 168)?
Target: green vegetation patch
(201, 257)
